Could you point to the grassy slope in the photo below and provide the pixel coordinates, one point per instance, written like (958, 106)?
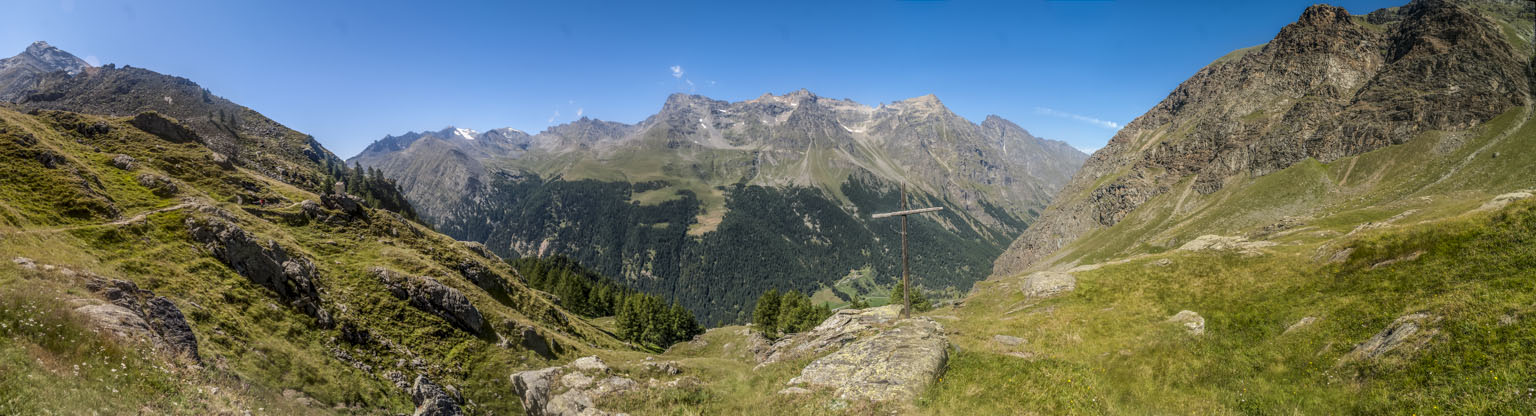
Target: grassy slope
(1107, 348)
(246, 336)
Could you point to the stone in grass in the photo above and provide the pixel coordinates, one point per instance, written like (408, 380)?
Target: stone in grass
(1303, 323)
(1192, 321)
(1011, 341)
(1405, 336)
(1046, 284)
(124, 162)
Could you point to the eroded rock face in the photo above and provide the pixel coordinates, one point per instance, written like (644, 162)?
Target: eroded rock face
(172, 327)
(160, 125)
(265, 263)
(431, 296)
(895, 364)
(133, 313)
(348, 204)
(1047, 284)
(432, 400)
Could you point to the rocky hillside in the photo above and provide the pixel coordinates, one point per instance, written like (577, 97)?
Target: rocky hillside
(157, 265)
(664, 203)
(47, 78)
(1328, 87)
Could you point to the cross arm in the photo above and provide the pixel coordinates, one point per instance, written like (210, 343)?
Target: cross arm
(907, 212)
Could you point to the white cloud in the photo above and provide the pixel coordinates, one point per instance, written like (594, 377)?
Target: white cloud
(580, 111)
(1101, 123)
(93, 60)
(553, 117)
(677, 71)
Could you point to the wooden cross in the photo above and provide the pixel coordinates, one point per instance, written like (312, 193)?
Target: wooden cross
(906, 286)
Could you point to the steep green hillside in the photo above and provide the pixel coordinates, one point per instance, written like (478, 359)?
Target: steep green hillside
(94, 199)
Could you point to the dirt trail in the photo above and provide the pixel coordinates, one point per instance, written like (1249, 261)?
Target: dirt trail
(136, 218)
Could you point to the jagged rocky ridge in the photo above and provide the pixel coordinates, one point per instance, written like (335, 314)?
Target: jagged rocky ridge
(1328, 86)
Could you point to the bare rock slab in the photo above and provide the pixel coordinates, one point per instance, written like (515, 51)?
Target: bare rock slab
(895, 364)
(1047, 284)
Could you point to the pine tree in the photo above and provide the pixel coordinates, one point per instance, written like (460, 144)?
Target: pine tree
(766, 315)
(919, 302)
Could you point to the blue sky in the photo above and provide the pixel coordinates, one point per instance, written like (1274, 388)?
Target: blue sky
(351, 72)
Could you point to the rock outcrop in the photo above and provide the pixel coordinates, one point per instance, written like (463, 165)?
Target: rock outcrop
(432, 400)
(1046, 284)
(124, 162)
(843, 327)
(265, 263)
(159, 185)
(1405, 336)
(431, 296)
(164, 127)
(348, 204)
(1226, 243)
(138, 314)
(568, 390)
(897, 363)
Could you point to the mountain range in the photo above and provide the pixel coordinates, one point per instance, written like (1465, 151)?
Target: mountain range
(660, 202)
(1341, 220)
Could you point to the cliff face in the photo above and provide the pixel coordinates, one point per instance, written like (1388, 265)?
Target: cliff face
(1328, 86)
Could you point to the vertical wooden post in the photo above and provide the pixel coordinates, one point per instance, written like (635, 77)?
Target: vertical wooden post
(906, 286)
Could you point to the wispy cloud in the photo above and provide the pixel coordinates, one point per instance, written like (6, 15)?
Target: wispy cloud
(580, 111)
(93, 60)
(553, 117)
(1101, 123)
(677, 71)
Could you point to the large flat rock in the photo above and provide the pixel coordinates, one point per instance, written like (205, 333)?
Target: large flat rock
(895, 364)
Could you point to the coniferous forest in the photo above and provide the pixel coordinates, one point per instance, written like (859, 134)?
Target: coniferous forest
(640, 317)
(762, 243)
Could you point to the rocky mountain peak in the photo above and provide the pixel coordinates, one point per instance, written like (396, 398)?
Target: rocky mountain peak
(1321, 15)
(41, 57)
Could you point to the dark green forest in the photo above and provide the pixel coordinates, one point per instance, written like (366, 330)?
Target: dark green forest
(640, 317)
(763, 242)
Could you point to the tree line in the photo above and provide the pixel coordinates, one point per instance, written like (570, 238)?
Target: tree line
(639, 317)
(789, 313)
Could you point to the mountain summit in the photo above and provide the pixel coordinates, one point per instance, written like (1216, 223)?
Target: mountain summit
(38, 58)
(661, 203)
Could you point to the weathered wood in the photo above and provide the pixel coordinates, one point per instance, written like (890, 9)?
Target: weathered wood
(907, 212)
(906, 285)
